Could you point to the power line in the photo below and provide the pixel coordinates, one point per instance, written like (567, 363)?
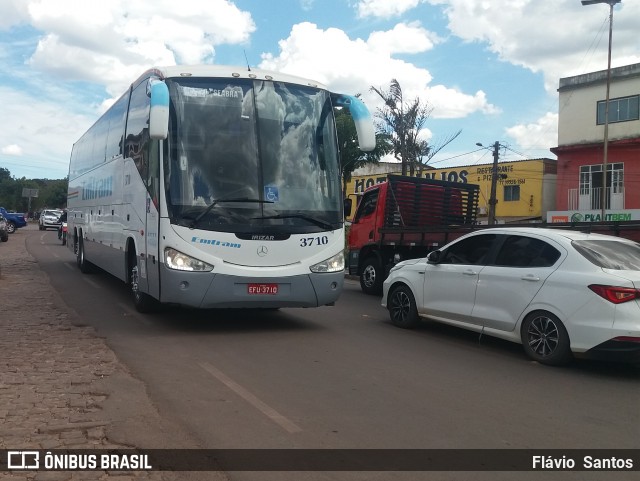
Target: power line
(455, 157)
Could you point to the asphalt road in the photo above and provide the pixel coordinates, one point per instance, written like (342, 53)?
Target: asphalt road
(344, 377)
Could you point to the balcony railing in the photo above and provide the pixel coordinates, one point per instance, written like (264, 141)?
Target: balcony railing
(592, 199)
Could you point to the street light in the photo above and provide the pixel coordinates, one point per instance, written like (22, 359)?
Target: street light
(603, 196)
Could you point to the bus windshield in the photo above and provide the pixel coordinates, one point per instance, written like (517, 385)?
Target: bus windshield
(251, 155)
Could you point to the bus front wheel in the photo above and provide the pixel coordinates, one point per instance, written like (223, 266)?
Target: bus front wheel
(142, 301)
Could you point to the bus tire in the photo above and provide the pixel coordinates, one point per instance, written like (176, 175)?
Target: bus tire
(85, 266)
(371, 277)
(142, 301)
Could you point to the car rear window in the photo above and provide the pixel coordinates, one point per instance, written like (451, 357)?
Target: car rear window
(622, 256)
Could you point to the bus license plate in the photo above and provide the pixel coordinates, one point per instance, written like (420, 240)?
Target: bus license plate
(262, 288)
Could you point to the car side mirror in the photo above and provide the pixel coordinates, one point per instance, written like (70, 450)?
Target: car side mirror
(433, 257)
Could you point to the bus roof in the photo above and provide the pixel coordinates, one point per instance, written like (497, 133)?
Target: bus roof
(228, 71)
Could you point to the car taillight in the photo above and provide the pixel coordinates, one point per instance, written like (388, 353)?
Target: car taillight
(614, 294)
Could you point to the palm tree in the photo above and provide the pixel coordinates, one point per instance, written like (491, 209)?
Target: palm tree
(402, 122)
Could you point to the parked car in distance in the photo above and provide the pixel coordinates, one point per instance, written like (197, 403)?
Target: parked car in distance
(50, 219)
(14, 220)
(558, 293)
(4, 231)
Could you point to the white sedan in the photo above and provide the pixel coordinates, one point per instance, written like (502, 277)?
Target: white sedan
(559, 293)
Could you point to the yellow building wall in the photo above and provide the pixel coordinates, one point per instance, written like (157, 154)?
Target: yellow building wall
(525, 176)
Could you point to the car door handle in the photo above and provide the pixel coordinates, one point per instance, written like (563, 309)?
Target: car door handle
(530, 278)
(470, 272)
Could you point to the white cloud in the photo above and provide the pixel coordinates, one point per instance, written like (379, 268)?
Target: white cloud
(353, 66)
(13, 150)
(385, 8)
(450, 103)
(404, 38)
(112, 42)
(13, 12)
(533, 136)
(559, 39)
(40, 135)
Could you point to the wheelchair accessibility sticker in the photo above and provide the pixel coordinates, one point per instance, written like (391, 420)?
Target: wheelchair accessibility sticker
(271, 193)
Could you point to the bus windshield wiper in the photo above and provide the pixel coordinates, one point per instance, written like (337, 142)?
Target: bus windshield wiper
(232, 199)
(313, 220)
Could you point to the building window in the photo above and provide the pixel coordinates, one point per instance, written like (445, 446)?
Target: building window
(511, 193)
(617, 179)
(585, 180)
(620, 110)
(591, 184)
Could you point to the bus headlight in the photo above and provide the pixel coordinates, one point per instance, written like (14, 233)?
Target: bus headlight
(332, 264)
(182, 262)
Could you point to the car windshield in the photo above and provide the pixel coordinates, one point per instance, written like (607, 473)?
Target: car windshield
(611, 254)
(246, 155)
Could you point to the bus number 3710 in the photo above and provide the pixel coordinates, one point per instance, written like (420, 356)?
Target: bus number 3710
(309, 241)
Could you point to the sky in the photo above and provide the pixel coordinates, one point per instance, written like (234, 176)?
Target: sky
(488, 68)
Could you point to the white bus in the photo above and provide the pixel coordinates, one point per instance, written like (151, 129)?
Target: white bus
(211, 186)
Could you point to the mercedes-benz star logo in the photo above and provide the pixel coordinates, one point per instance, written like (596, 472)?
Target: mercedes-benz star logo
(263, 251)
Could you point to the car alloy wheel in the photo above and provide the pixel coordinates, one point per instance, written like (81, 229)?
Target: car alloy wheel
(402, 307)
(545, 339)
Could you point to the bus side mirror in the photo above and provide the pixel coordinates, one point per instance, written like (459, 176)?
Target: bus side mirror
(348, 203)
(361, 118)
(159, 110)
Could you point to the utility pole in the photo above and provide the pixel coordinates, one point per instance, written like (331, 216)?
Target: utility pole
(604, 197)
(494, 184)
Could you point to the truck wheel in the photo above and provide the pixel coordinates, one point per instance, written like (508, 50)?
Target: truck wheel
(371, 278)
(11, 227)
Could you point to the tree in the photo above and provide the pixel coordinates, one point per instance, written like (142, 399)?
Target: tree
(402, 121)
(4, 174)
(51, 193)
(351, 157)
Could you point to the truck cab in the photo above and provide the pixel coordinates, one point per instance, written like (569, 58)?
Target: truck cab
(403, 218)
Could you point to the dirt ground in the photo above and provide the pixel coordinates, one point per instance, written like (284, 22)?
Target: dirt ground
(61, 386)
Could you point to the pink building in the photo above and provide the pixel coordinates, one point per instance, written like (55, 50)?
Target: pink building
(580, 150)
